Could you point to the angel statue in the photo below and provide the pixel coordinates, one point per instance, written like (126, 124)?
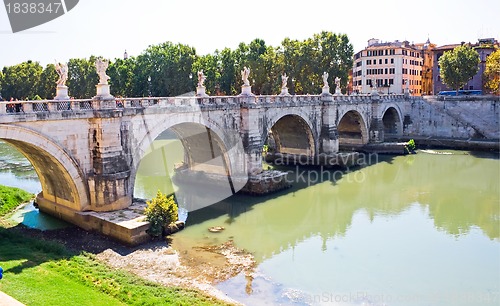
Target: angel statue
(244, 76)
(284, 80)
(325, 79)
(201, 78)
(62, 71)
(101, 66)
(337, 82)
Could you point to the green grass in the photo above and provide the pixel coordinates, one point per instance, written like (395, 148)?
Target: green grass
(11, 197)
(38, 272)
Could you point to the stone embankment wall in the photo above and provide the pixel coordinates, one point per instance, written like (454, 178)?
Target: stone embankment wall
(453, 117)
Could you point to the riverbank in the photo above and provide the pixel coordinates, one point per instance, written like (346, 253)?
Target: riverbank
(483, 145)
(48, 268)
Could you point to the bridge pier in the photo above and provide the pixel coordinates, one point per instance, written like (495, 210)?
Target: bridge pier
(376, 132)
(329, 136)
(110, 174)
(252, 139)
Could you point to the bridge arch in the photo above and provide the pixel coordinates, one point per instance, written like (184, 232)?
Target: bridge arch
(393, 122)
(292, 133)
(206, 146)
(352, 129)
(60, 176)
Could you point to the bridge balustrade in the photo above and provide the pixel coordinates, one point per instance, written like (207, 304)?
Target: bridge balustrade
(47, 106)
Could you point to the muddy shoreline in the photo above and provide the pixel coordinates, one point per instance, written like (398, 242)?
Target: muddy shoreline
(161, 261)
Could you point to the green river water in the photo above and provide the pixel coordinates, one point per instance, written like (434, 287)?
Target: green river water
(419, 229)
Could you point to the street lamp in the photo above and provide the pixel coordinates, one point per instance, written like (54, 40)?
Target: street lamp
(149, 85)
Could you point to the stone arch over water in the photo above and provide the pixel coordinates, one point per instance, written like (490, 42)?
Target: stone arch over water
(352, 129)
(60, 176)
(291, 134)
(210, 156)
(393, 124)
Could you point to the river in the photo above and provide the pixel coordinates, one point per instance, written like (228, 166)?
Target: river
(420, 229)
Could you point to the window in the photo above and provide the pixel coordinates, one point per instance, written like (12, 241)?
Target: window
(386, 60)
(359, 63)
(392, 61)
(385, 70)
(368, 62)
(386, 51)
(391, 81)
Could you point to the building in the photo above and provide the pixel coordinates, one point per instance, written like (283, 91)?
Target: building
(391, 66)
(484, 47)
(427, 54)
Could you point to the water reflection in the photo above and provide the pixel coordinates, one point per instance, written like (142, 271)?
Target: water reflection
(424, 226)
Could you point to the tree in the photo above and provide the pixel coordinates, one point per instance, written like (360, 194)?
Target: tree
(21, 81)
(492, 73)
(169, 67)
(121, 73)
(47, 84)
(458, 66)
(82, 77)
(160, 212)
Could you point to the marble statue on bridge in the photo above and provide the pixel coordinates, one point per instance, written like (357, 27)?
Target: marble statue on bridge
(326, 89)
(325, 79)
(337, 86)
(200, 89)
(62, 71)
(284, 80)
(201, 78)
(101, 66)
(245, 73)
(61, 89)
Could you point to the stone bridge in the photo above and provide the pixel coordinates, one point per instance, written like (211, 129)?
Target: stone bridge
(87, 152)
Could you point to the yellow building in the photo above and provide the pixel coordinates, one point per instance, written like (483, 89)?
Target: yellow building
(390, 66)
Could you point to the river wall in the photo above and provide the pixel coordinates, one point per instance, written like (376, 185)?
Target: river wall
(462, 118)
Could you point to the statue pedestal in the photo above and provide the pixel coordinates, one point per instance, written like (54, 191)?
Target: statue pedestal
(284, 91)
(325, 90)
(103, 92)
(246, 90)
(61, 93)
(374, 92)
(200, 91)
(338, 92)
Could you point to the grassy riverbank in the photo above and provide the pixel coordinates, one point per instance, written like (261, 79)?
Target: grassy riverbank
(11, 197)
(38, 272)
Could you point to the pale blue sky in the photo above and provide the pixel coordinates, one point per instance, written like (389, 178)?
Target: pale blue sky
(108, 27)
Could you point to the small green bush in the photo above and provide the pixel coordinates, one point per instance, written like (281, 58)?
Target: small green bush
(410, 147)
(161, 211)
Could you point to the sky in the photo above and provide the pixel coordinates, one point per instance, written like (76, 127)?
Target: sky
(109, 27)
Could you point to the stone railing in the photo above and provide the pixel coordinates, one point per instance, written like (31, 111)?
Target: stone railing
(48, 106)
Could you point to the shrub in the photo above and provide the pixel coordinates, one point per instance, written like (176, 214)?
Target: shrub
(410, 146)
(161, 211)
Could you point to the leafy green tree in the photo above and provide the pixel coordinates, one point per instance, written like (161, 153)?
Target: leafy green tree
(21, 81)
(168, 66)
(305, 61)
(458, 66)
(47, 84)
(492, 73)
(82, 77)
(160, 212)
(122, 77)
(211, 69)
(228, 74)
